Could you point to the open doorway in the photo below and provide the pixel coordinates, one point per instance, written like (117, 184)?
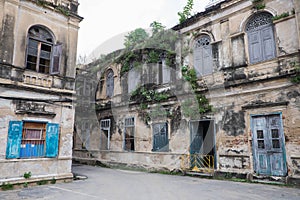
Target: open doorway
(202, 144)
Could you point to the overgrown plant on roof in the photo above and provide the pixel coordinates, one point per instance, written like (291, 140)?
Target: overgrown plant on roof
(135, 38)
(283, 15)
(138, 43)
(186, 13)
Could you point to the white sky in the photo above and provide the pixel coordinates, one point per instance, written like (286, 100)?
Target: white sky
(105, 19)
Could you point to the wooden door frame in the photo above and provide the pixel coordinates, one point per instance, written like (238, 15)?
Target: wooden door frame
(283, 140)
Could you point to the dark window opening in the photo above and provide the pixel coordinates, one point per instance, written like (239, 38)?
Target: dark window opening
(129, 134)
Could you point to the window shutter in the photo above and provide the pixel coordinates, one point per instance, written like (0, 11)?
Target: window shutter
(57, 51)
(166, 72)
(268, 43)
(52, 136)
(110, 84)
(255, 52)
(207, 65)
(134, 78)
(198, 60)
(14, 139)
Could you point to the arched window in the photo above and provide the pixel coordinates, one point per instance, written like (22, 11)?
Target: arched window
(42, 54)
(261, 41)
(110, 83)
(203, 61)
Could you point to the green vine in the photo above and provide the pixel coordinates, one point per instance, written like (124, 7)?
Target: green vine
(283, 15)
(202, 106)
(259, 4)
(153, 57)
(145, 96)
(296, 78)
(186, 13)
(63, 10)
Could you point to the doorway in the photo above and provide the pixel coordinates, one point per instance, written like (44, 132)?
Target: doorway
(202, 146)
(268, 145)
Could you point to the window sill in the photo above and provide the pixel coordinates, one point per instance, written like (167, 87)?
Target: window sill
(283, 19)
(5, 160)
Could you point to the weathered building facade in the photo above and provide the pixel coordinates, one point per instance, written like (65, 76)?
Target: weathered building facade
(38, 46)
(240, 115)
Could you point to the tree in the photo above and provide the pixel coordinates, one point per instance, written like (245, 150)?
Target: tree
(156, 27)
(135, 37)
(186, 13)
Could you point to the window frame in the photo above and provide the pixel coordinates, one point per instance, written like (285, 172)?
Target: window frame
(165, 147)
(257, 38)
(42, 36)
(16, 137)
(130, 124)
(199, 62)
(110, 83)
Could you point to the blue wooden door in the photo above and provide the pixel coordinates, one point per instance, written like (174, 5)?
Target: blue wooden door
(268, 145)
(14, 139)
(52, 138)
(160, 137)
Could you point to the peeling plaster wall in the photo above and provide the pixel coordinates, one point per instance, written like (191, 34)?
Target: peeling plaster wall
(52, 93)
(44, 166)
(236, 90)
(20, 16)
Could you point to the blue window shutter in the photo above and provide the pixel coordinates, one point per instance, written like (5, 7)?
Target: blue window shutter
(14, 139)
(255, 52)
(52, 136)
(268, 43)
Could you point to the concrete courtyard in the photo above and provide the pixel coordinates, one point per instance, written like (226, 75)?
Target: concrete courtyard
(112, 184)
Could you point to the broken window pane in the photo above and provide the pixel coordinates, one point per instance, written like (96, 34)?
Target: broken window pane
(260, 134)
(276, 144)
(275, 133)
(40, 50)
(129, 134)
(261, 144)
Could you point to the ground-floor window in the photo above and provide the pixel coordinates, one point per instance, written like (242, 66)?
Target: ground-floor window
(32, 139)
(129, 134)
(160, 137)
(105, 134)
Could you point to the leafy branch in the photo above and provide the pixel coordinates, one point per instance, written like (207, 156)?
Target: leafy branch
(186, 13)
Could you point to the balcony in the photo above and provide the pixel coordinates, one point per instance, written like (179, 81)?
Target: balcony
(11, 75)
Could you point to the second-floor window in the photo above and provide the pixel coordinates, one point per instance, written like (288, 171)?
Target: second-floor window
(261, 43)
(110, 83)
(164, 72)
(42, 55)
(203, 62)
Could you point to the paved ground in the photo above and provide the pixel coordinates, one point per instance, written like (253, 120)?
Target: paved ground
(110, 184)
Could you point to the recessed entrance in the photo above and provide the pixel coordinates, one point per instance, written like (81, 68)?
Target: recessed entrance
(202, 147)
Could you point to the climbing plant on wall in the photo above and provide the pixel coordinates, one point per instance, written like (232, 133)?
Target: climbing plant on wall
(189, 108)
